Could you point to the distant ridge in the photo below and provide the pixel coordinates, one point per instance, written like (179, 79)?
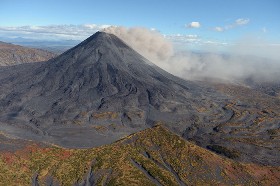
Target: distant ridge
(14, 54)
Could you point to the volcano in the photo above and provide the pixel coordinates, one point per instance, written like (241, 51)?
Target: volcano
(92, 94)
(102, 90)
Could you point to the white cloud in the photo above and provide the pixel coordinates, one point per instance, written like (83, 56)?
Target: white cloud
(219, 29)
(183, 38)
(264, 30)
(193, 40)
(76, 32)
(242, 21)
(216, 43)
(237, 23)
(91, 26)
(193, 25)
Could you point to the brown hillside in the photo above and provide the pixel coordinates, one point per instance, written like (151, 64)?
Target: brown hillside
(151, 157)
(14, 54)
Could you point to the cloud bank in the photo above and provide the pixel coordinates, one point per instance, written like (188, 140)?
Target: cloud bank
(233, 67)
(52, 32)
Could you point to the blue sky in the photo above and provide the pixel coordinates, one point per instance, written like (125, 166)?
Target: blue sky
(220, 21)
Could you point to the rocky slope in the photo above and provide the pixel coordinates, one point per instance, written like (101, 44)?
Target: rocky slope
(102, 90)
(14, 54)
(100, 82)
(151, 157)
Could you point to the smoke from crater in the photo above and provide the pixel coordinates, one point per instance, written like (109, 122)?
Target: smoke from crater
(232, 67)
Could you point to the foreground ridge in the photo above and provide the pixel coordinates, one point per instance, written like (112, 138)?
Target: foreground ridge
(151, 157)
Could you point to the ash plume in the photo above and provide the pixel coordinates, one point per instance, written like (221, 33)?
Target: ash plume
(235, 66)
(148, 43)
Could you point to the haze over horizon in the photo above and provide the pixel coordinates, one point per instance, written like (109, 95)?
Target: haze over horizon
(160, 30)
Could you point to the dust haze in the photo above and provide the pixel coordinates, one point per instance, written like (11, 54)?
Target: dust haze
(236, 66)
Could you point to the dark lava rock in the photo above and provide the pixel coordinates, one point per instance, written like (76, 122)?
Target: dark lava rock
(93, 94)
(102, 90)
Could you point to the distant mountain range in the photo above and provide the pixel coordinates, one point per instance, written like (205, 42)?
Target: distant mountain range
(53, 46)
(14, 54)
